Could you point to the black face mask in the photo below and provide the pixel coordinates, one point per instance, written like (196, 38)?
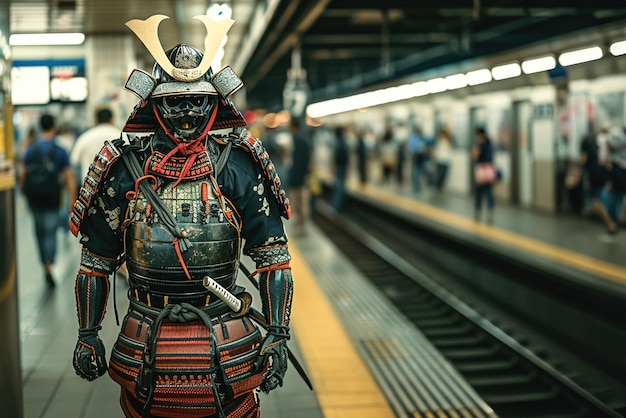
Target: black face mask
(186, 116)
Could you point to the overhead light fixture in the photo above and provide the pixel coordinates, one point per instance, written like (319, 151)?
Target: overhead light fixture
(220, 11)
(618, 48)
(580, 56)
(329, 107)
(537, 65)
(419, 88)
(478, 77)
(370, 98)
(502, 72)
(40, 39)
(456, 81)
(436, 85)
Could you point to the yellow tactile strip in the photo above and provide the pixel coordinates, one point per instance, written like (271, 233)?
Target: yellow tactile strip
(560, 255)
(344, 386)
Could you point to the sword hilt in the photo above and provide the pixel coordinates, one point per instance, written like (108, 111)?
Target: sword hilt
(240, 304)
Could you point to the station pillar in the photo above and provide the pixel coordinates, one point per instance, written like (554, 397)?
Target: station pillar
(10, 363)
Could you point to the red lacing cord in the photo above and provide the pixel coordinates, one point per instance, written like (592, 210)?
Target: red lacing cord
(190, 149)
(278, 266)
(180, 257)
(131, 194)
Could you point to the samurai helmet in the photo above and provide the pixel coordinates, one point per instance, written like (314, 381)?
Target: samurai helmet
(187, 98)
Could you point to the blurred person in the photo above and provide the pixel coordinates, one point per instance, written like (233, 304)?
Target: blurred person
(341, 159)
(602, 139)
(401, 137)
(420, 148)
(485, 174)
(298, 187)
(44, 196)
(284, 145)
(26, 142)
(362, 156)
(90, 142)
(442, 155)
(279, 145)
(181, 205)
(388, 152)
(596, 175)
(616, 145)
(66, 137)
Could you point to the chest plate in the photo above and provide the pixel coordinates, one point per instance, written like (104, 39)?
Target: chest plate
(212, 227)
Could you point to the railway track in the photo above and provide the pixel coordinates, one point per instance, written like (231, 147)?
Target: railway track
(515, 376)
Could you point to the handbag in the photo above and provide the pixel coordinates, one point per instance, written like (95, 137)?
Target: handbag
(485, 173)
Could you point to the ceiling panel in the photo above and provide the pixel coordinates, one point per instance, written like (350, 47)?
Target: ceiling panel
(346, 45)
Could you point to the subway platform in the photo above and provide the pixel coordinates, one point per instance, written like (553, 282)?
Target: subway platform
(574, 245)
(344, 350)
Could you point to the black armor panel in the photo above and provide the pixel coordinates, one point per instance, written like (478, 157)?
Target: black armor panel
(153, 262)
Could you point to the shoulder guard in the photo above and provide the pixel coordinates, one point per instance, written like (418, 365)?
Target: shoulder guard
(254, 146)
(110, 152)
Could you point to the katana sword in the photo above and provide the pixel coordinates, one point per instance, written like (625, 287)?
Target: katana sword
(241, 305)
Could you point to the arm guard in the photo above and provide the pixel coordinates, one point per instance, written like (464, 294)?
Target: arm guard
(276, 288)
(92, 292)
(276, 285)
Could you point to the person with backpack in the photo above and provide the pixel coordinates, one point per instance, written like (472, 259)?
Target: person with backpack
(45, 171)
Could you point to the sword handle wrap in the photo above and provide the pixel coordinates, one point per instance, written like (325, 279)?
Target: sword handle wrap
(228, 298)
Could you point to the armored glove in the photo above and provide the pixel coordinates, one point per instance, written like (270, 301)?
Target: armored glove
(89, 355)
(275, 348)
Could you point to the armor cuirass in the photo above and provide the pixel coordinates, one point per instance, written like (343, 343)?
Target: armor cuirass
(155, 265)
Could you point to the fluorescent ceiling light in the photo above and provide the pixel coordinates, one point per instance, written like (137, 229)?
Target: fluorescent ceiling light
(618, 48)
(478, 77)
(418, 89)
(369, 99)
(35, 39)
(506, 71)
(538, 64)
(581, 55)
(220, 11)
(456, 81)
(436, 85)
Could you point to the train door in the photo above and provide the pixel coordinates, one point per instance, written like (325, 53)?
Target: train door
(521, 155)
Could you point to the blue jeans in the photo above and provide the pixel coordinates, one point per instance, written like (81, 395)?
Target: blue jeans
(613, 203)
(46, 224)
(339, 189)
(485, 190)
(422, 169)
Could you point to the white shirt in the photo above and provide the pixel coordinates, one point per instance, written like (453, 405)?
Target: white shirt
(90, 143)
(443, 151)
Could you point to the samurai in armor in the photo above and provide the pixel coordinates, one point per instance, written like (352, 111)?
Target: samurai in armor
(179, 203)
